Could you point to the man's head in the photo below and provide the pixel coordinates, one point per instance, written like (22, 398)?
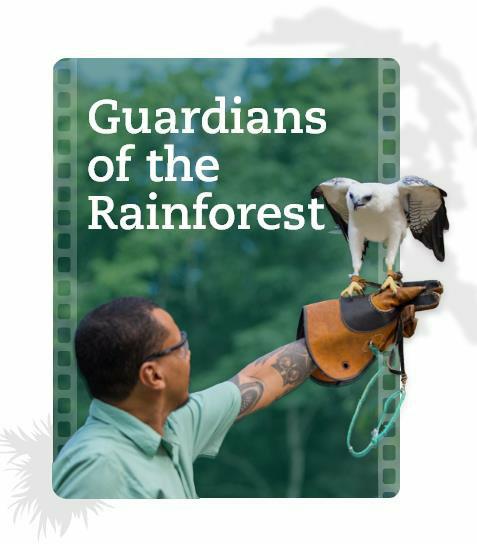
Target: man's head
(113, 345)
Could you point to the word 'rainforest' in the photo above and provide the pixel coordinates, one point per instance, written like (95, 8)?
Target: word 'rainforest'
(216, 120)
(219, 216)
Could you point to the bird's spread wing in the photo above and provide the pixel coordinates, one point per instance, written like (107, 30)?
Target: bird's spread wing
(334, 192)
(425, 209)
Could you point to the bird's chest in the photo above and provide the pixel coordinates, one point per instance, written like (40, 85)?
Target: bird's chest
(373, 226)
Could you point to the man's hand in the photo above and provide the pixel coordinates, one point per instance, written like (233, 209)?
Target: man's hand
(272, 376)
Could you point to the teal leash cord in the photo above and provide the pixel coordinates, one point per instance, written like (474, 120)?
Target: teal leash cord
(376, 434)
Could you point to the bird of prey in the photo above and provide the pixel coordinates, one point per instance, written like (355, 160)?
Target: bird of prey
(379, 212)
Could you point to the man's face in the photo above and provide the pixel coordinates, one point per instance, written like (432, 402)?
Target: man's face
(175, 365)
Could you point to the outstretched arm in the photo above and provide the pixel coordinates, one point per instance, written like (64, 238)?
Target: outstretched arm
(272, 376)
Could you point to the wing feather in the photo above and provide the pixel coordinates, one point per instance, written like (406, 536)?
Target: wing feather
(333, 193)
(426, 213)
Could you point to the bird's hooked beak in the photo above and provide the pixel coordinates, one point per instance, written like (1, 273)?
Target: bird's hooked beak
(357, 202)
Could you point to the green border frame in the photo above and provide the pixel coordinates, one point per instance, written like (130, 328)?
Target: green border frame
(65, 249)
(388, 172)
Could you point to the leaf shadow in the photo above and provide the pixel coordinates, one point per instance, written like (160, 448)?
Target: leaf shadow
(29, 457)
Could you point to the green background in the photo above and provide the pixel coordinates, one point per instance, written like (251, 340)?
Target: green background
(239, 293)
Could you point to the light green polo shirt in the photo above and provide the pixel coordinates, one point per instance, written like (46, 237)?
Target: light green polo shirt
(117, 456)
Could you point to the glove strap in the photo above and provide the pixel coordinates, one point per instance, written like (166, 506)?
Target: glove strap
(377, 434)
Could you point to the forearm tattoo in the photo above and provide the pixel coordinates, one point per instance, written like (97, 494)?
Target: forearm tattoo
(293, 365)
(292, 362)
(250, 392)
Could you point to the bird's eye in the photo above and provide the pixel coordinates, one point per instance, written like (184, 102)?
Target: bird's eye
(368, 198)
(351, 196)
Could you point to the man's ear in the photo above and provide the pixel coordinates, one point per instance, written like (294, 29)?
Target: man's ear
(151, 375)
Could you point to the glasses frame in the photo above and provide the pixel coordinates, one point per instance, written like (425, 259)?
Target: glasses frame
(168, 351)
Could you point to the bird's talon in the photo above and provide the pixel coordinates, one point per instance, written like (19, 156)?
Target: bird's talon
(353, 287)
(389, 282)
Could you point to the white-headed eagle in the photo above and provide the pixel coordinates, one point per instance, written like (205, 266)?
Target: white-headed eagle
(380, 212)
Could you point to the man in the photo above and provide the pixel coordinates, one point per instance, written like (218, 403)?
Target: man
(144, 431)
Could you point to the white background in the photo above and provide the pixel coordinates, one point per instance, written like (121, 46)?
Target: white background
(438, 475)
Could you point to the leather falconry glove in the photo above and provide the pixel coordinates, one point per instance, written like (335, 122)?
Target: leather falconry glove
(338, 332)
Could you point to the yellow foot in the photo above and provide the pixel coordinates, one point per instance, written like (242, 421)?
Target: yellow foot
(389, 282)
(353, 287)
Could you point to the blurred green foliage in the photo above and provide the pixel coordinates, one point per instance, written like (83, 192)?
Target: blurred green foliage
(238, 293)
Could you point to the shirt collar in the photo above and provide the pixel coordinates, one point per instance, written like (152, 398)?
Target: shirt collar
(144, 436)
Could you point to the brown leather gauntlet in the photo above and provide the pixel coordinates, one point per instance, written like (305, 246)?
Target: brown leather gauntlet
(338, 332)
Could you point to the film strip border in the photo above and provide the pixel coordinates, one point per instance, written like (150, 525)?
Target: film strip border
(65, 250)
(388, 172)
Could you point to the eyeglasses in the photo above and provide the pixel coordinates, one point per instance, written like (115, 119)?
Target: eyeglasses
(183, 343)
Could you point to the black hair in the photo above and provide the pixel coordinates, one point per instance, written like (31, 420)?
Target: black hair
(111, 343)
